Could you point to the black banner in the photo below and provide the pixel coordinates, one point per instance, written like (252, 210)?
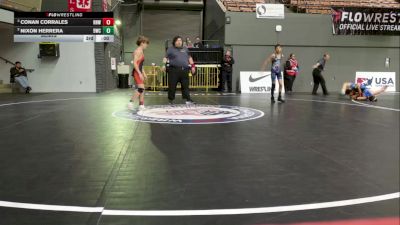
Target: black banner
(63, 15)
(365, 21)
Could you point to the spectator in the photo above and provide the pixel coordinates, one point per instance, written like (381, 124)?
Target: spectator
(226, 70)
(291, 71)
(198, 43)
(317, 75)
(188, 43)
(18, 74)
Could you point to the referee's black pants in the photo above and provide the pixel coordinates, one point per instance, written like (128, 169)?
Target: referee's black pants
(318, 79)
(175, 76)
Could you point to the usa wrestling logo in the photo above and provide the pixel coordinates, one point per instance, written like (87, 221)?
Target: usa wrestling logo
(197, 114)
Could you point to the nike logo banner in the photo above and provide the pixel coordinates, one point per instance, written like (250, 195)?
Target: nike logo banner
(256, 82)
(252, 79)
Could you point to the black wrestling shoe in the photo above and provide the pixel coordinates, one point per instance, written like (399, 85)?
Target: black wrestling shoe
(373, 99)
(272, 100)
(281, 100)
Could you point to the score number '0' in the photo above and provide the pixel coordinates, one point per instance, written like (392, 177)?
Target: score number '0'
(108, 21)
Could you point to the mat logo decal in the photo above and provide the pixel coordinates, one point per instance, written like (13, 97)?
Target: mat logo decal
(197, 114)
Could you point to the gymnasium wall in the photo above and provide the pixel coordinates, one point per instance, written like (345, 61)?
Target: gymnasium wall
(81, 67)
(131, 29)
(6, 16)
(106, 78)
(100, 53)
(308, 36)
(160, 25)
(214, 21)
(73, 71)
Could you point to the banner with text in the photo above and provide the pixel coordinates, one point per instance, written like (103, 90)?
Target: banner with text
(365, 21)
(257, 82)
(376, 80)
(270, 11)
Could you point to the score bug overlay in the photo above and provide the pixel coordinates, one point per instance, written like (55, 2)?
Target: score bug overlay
(64, 27)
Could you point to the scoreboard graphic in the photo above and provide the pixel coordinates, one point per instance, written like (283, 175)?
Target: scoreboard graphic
(63, 27)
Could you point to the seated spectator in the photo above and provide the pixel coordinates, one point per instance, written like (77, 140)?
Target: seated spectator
(188, 43)
(198, 43)
(19, 75)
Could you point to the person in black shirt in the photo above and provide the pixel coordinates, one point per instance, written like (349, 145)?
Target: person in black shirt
(226, 70)
(317, 75)
(18, 74)
(197, 43)
(180, 63)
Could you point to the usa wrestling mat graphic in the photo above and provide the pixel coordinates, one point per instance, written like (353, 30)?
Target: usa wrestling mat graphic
(196, 114)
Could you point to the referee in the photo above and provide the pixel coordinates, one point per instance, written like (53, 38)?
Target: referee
(317, 75)
(180, 63)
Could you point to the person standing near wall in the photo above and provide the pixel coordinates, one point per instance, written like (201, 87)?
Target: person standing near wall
(317, 74)
(180, 63)
(138, 73)
(275, 59)
(291, 72)
(226, 71)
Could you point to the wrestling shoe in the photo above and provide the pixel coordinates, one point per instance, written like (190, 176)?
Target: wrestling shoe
(281, 100)
(373, 99)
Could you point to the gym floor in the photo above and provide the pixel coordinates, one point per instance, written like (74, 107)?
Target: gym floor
(64, 150)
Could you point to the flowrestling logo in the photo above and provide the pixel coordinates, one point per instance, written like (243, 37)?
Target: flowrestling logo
(365, 21)
(196, 114)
